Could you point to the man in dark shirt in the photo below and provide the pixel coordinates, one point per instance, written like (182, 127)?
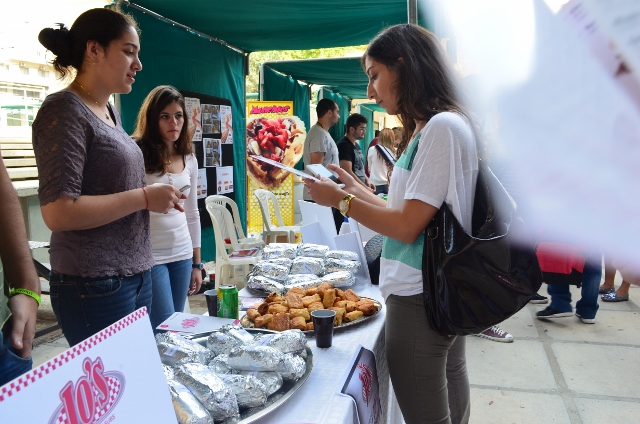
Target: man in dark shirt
(349, 151)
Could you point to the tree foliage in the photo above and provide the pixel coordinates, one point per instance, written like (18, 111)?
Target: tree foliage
(256, 58)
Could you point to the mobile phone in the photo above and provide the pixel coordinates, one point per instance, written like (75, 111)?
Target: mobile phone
(319, 171)
(185, 188)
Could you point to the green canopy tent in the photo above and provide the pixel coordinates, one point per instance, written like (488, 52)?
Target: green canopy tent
(204, 47)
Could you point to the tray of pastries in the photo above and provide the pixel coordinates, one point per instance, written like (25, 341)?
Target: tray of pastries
(293, 309)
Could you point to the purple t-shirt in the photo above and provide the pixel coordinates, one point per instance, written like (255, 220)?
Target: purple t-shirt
(78, 154)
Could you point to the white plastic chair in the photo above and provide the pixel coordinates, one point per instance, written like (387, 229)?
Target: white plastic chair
(244, 242)
(221, 218)
(265, 197)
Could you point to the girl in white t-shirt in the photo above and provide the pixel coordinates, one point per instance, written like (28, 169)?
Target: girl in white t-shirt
(163, 138)
(437, 163)
(381, 158)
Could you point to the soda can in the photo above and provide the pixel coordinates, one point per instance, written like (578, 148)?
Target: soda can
(228, 302)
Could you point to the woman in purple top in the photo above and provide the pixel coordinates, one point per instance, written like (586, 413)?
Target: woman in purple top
(93, 192)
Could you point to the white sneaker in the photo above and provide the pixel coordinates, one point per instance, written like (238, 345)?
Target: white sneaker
(586, 320)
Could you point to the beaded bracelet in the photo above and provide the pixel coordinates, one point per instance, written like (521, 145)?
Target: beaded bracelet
(26, 292)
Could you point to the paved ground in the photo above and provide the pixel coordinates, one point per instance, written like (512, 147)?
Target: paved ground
(560, 371)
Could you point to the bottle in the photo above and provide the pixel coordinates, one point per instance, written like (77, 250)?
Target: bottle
(345, 228)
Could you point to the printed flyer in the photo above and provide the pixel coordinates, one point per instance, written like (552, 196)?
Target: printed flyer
(227, 124)
(194, 118)
(225, 179)
(202, 183)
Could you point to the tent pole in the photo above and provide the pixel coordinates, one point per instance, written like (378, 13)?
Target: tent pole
(261, 90)
(412, 11)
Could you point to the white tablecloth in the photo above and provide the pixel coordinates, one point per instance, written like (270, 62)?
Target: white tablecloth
(318, 400)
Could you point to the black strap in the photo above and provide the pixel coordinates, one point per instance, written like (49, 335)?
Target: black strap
(386, 155)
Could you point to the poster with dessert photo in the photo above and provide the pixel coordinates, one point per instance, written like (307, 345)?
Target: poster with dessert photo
(212, 152)
(274, 133)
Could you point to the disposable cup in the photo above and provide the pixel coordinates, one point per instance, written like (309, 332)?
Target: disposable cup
(212, 302)
(323, 326)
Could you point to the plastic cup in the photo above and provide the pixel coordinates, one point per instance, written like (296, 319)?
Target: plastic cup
(212, 302)
(323, 326)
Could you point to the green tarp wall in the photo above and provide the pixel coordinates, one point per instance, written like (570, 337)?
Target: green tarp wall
(175, 56)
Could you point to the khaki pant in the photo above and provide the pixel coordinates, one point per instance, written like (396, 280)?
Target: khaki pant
(428, 371)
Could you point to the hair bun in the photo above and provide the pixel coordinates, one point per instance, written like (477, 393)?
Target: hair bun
(58, 41)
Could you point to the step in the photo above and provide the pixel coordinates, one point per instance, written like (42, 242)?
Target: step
(22, 162)
(23, 173)
(17, 153)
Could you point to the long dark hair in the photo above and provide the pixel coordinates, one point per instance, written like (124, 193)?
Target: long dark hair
(425, 85)
(69, 45)
(147, 132)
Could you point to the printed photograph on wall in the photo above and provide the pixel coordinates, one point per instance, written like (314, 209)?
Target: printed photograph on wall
(212, 152)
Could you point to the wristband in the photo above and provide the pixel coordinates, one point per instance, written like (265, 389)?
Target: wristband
(146, 199)
(26, 292)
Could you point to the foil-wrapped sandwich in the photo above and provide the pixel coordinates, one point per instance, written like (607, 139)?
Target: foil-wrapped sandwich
(272, 380)
(249, 390)
(270, 270)
(332, 265)
(168, 372)
(261, 283)
(304, 265)
(175, 350)
(255, 358)
(219, 342)
(291, 341)
(312, 250)
(188, 409)
(209, 389)
(300, 280)
(339, 278)
(280, 250)
(342, 254)
(292, 367)
(286, 262)
(220, 364)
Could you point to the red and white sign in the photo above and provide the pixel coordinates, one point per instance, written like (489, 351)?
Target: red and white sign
(361, 384)
(113, 376)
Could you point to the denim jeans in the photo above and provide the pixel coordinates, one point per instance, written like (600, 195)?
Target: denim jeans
(587, 306)
(85, 306)
(11, 365)
(169, 285)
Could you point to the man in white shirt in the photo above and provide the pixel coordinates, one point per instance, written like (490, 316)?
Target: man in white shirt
(319, 147)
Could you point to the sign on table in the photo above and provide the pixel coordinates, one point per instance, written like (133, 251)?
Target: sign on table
(113, 376)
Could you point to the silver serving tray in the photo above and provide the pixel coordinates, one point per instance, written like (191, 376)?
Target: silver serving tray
(278, 398)
(248, 325)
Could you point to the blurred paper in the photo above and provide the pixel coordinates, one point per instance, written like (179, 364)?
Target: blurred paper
(571, 137)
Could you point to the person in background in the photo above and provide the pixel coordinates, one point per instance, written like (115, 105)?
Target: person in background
(93, 192)
(319, 147)
(381, 157)
(372, 143)
(409, 76)
(629, 276)
(587, 306)
(349, 151)
(20, 297)
(399, 133)
(162, 136)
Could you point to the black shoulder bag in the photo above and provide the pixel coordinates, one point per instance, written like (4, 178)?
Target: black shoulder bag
(472, 282)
